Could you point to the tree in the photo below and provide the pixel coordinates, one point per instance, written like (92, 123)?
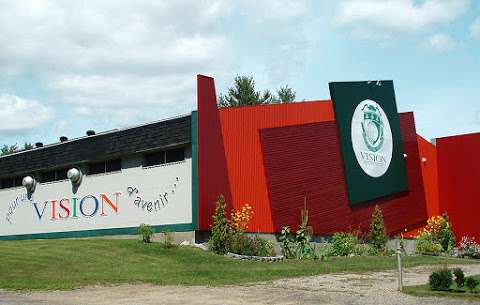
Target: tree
(28, 146)
(8, 150)
(286, 94)
(378, 233)
(244, 93)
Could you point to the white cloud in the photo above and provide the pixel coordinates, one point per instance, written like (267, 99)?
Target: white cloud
(475, 28)
(20, 115)
(132, 59)
(440, 43)
(111, 55)
(276, 9)
(380, 17)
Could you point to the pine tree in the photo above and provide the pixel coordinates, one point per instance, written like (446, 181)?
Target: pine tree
(286, 94)
(378, 235)
(244, 93)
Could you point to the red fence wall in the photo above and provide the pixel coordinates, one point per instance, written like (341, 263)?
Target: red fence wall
(305, 160)
(458, 182)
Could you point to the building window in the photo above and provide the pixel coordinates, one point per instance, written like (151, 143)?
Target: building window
(54, 175)
(164, 156)
(6, 183)
(175, 155)
(155, 158)
(96, 168)
(113, 165)
(48, 176)
(107, 166)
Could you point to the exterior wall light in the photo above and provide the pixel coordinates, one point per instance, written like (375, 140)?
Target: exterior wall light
(405, 156)
(75, 176)
(424, 159)
(29, 183)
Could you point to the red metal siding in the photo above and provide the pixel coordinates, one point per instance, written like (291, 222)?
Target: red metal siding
(430, 174)
(240, 130)
(212, 169)
(458, 182)
(306, 160)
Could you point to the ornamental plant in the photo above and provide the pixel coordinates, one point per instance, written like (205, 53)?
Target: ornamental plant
(221, 237)
(146, 232)
(298, 246)
(241, 218)
(378, 235)
(471, 283)
(436, 237)
(468, 247)
(343, 244)
(441, 230)
(459, 277)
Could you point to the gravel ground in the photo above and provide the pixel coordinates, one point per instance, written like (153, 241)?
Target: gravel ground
(342, 288)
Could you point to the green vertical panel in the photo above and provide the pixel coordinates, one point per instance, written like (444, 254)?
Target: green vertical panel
(371, 143)
(194, 170)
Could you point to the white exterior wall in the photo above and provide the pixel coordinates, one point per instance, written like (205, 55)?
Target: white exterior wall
(137, 190)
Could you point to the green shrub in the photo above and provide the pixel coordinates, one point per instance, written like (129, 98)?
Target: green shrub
(298, 246)
(343, 244)
(221, 238)
(252, 246)
(471, 283)
(378, 234)
(146, 232)
(459, 277)
(425, 244)
(286, 243)
(441, 279)
(446, 237)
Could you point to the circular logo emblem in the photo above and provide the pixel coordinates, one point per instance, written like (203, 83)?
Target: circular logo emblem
(372, 138)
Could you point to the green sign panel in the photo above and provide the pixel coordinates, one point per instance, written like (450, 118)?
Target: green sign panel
(372, 148)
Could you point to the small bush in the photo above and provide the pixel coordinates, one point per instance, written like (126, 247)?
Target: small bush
(426, 244)
(459, 277)
(469, 247)
(378, 235)
(441, 279)
(146, 232)
(343, 244)
(220, 239)
(471, 283)
(252, 246)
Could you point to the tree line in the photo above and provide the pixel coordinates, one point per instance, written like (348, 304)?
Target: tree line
(244, 93)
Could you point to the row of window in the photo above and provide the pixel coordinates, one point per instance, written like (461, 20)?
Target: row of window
(107, 166)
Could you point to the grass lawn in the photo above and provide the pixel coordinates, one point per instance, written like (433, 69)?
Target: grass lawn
(66, 264)
(424, 290)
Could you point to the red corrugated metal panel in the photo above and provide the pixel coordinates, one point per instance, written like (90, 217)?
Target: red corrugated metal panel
(240, 129)
(212, 169)
(430, 174)
(306, 160)
(458, 182)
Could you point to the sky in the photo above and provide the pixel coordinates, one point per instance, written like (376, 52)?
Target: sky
(70, 66)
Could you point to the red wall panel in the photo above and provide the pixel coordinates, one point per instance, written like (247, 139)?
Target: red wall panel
(212, 168)
(430, 174)
(305, 160)
(458, 181)
(243, 151)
